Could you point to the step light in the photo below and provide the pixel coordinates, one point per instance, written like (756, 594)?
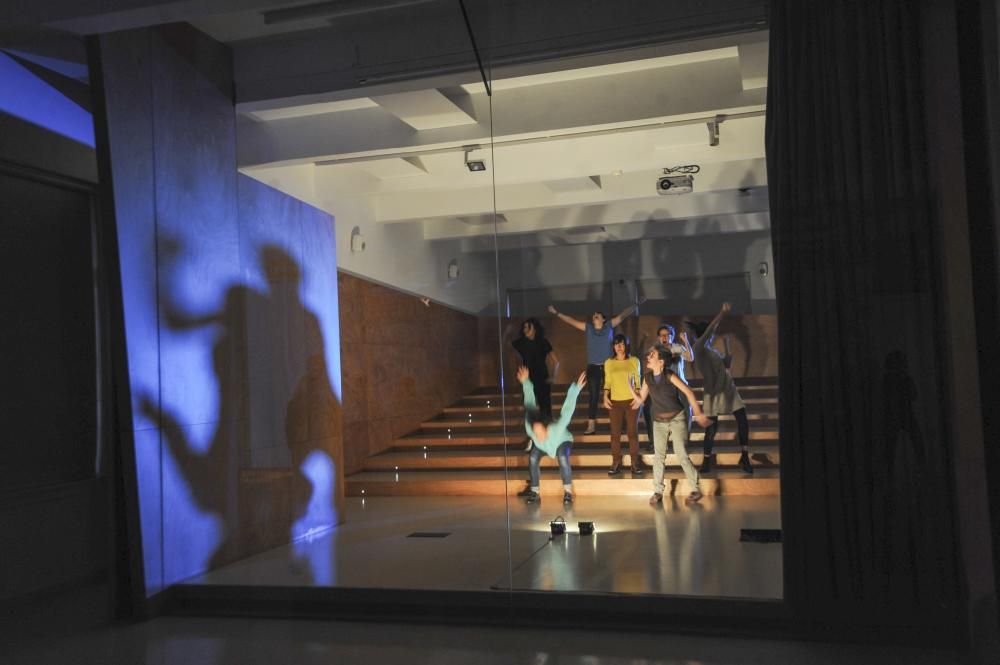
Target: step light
(585, 528)
(557, 526)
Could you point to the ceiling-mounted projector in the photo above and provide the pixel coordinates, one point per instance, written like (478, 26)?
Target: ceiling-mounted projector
(675, 184)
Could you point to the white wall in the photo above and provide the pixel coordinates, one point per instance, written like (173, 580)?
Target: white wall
(395, 255)
(701, 256)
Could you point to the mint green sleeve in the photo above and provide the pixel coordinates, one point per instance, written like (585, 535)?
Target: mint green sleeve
(529, 403)
(569, 405)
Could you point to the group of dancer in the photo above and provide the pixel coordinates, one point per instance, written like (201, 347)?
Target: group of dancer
(623, 385)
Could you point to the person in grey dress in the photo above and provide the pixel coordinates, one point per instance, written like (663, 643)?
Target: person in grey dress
(720, 393)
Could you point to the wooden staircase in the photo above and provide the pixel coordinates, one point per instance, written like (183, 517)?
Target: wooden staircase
(464, 450)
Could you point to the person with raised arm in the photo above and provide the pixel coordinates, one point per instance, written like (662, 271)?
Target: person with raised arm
(598, 334)
(552, 439)
(668, 393)
(665, 337)
(537, 355)
(720, 393)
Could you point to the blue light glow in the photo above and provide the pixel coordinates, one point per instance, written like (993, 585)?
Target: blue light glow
(24, 95)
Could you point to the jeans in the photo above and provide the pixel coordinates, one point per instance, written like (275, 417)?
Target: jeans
(535, 457)
(595, 383)
(676, 430)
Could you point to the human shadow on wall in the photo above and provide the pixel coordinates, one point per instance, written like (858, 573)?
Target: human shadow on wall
(898, 467)
(265, 474)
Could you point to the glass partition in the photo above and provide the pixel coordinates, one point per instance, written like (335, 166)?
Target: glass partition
(633, 236)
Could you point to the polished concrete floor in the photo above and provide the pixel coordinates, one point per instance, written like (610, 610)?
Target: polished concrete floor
(672, 549)
(200, 641)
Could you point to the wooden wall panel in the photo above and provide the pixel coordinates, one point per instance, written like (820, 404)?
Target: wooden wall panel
(402, 362)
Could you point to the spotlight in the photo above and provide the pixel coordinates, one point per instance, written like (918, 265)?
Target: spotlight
(680, 184)
(586, 528)
(558, 526)
(473, 164)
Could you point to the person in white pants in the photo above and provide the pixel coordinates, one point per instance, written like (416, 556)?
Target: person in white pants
(670, 419)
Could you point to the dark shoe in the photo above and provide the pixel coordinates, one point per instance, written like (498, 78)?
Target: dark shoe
(637, 469)
(693, 497)
(745, 463)
(616, 469)
(526, 491)
(567, 497)
(532, 497)
(707, 463)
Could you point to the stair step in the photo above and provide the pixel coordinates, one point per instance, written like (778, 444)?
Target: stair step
(583, 457)
(460, 421)
(516, 436)
(742, 383)
(764, 482)
(560, 394)
(514, 404)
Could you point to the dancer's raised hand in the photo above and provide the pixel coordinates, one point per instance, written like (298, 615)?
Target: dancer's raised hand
(582, 379)
(552, 310)
(522, 374)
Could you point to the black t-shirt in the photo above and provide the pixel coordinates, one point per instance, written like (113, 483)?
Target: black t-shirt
(533, 353)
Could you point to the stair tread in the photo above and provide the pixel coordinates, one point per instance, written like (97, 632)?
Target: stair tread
(466, 475)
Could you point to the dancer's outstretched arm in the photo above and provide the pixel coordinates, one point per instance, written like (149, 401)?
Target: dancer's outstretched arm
(699, 415)
(569, 404)
(688, 354)
(625, 313)
(566, 318)
(713, 326)
(529, 395)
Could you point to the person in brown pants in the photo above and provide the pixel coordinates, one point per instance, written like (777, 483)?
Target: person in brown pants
(621, 377)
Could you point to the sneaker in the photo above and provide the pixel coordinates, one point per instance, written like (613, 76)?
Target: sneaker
(527, 446)
(591, 427)
(656, 499)
(694, 497)
(532, 497)
(616, 469)
(637, 469)
(745, 463)
(707, 462)
(567, 497)
(526, 491)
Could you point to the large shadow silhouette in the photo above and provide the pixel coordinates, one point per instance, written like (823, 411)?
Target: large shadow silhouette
(264, 474)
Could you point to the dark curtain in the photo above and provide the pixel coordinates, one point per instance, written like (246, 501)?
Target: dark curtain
(867, 494)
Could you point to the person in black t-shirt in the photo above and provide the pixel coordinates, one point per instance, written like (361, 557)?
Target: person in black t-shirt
(537, 355)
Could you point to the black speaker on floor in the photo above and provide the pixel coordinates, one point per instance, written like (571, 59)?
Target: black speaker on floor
(760, 535)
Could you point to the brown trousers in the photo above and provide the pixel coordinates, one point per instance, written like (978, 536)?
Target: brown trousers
(621, 411)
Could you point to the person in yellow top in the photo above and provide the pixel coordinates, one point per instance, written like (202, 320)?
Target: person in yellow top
(621, 377)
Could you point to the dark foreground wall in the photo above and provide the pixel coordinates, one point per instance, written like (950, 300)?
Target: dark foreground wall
(231, 318)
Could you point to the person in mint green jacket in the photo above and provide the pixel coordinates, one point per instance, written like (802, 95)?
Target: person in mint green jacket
(552, 439)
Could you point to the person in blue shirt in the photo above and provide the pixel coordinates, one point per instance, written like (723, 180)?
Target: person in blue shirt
(552, 439)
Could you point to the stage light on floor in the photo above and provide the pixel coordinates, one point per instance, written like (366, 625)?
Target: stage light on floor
(586, 528)
(558, 526)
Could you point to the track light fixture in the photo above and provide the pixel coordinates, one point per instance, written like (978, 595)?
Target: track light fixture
(473, 164)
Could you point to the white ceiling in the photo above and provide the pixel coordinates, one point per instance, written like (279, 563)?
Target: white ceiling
(572, 148)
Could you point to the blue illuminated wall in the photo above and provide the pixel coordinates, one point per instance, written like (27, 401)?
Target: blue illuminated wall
(231, 315)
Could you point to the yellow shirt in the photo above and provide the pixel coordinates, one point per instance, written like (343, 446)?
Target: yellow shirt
(619, 375)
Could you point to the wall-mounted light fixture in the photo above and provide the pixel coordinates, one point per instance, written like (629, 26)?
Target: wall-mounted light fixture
(762, 268)
(473, 164)
(357, 240)
(453, 269)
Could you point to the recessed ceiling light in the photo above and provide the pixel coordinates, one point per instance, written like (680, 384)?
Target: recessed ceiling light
(617, 172)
